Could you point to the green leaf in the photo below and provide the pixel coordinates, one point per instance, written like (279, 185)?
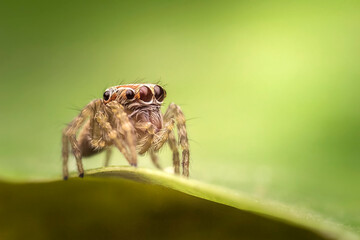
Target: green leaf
(125, 202)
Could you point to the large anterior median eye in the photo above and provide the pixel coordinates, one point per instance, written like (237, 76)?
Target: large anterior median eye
(106, 95)
(130, 94)
(145, 94)
(159, 93)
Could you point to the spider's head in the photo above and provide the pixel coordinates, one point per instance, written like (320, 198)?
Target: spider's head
(134, 96)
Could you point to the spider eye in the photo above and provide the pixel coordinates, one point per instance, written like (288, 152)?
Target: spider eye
(145, 94)
(106, 95)
(159, 93)
(130, 94)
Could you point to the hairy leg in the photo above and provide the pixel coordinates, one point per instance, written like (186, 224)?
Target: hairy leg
(162, 136)
(107, 157)
(126, 127)
(116, 139)
(155, 159)
(175, 112)
(174, 149)
(149, 132)
(157, 141)
(65, 155)
(69, 135)
(167, 134)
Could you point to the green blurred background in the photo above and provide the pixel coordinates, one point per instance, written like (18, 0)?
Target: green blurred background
(270, 88)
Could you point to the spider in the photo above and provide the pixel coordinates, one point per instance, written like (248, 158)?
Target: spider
(129, 118)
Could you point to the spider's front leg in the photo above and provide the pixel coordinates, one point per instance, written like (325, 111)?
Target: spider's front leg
(69, 135)
(167, 134)
(112, 134)
(155, 159)
(174, 114)
(126, 128)
(149, 132)
(107, 157)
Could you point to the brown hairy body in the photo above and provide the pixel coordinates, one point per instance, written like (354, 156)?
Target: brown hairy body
(129, 118)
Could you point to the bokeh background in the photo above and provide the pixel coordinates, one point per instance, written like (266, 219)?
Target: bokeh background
(270, 88)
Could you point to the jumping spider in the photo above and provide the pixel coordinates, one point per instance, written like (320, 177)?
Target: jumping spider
(129, 118)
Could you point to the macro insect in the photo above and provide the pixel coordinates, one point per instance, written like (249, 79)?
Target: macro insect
(129, 118)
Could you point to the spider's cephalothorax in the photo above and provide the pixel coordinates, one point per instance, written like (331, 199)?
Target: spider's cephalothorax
(129, 118)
